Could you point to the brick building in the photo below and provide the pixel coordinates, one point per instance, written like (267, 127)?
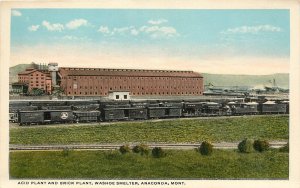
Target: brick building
(35, 78)
(100, 82)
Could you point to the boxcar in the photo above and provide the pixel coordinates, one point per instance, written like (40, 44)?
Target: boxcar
(135, 113)
(87, 116)
(274, 108)
(110, 114)
(164, 112)
(56, 108)
(45, 116)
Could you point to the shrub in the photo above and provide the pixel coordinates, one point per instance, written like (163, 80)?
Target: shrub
(261, 145)
(285, 148)
(206, 148)
(65, 152)
(158, 152)
(246, 146)
(142, 149)
(124, 149)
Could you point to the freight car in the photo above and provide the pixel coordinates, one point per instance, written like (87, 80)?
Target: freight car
(243, 108)
(45, 117)
(270, 107)
(95, 111)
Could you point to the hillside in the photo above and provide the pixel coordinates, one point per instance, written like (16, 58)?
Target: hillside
(13, 71)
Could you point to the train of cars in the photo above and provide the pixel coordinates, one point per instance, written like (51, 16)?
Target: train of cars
(48, 112)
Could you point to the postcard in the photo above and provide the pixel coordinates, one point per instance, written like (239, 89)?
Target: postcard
(150, 94)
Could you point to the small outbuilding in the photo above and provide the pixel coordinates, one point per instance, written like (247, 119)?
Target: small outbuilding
(119, 95)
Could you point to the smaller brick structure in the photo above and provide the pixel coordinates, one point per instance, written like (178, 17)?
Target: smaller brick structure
(35, 78)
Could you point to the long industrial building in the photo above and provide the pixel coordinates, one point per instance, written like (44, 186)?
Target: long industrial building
(101, 82)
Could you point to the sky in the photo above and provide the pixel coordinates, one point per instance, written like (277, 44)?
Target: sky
(205, 41)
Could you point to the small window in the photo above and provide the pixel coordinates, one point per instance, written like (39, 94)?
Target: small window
(125, 96)
(117, 96)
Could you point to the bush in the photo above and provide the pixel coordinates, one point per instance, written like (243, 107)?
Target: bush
(246, 146)
(66, 152)
(261, 145)
(206, 148)
(158, 152)
(142, 149)
(124, 149)
(285, 148)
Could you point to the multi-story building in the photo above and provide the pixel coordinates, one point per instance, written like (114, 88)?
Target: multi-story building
(100, 82)
(36, 79)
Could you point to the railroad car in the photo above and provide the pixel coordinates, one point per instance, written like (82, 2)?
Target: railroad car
(192, 109)
(164, 112)
(94, 111)
(13, 117)
(87, 116)
(244, 108)
(111, 114)
(48, 103)
(22, 108)
(56, 107)
(45, 116)
(211, 109)
(270, 107)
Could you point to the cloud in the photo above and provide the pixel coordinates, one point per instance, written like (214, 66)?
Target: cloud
(252, 29)
(134, 32)
(154, 31)
(74, 38)
(104, 30)
(33, 27)
(159, 31)
(74, 24)
(53, 27)
(16, 13)
(131, 30)
(157, 22)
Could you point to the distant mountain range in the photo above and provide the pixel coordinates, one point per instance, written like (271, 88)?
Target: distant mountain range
(282, 80)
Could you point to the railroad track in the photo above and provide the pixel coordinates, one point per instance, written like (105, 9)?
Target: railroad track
(222, 145)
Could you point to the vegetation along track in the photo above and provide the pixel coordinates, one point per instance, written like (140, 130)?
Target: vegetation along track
(222, 145)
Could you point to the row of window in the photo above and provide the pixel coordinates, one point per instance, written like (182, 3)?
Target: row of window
(128, 78)
(36, 85)
(138, 93)
(138, 87)
(127, 70)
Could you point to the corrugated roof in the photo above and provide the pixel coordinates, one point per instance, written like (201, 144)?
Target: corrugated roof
(67, 71)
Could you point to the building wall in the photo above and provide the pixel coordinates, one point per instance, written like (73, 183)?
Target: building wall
(36, 79)
(137, 85)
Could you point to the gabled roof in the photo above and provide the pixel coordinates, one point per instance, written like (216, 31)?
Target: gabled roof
(67, 71)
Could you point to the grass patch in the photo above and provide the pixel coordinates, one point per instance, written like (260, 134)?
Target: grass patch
(222, 164)
(176, 131)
